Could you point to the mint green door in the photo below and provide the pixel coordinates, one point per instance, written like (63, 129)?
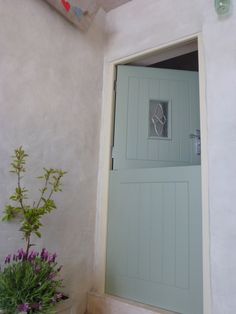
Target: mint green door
(138, 90)
(154, 251)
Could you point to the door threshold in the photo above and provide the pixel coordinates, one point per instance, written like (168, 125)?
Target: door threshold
(108, 304)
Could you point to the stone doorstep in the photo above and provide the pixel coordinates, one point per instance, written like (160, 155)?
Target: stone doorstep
(106, 304)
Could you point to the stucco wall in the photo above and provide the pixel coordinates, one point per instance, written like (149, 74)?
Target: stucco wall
(50, 97)
(138, 26)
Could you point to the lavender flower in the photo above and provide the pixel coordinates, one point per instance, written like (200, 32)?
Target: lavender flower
(58, 297)
(8, 259)
(52, 276)
(25, 307)
(52, 258)
(44, 255)
(21, 254)
(45, 269)
(32, 256)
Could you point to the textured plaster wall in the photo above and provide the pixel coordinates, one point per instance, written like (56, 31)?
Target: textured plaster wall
(136, 27)
(50, 97)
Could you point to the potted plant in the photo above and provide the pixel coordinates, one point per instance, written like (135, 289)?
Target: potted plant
(29, 280)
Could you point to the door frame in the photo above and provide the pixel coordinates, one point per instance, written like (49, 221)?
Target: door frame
(106, 142)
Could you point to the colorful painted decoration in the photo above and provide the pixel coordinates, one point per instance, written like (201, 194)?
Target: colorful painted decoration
(78, 12)
(66, 5)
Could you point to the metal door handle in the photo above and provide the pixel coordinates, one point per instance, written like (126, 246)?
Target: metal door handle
(194, 136)
(197, 138)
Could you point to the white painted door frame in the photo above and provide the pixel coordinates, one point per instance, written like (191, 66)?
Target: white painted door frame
(106, 141)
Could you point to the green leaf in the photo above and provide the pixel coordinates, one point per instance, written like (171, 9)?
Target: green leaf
(38, 234)
(10, 212)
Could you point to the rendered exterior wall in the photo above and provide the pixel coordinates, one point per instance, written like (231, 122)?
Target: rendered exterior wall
(50, 98)
(138, 26)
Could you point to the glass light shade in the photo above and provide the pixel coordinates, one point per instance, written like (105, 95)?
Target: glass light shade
(223, 6)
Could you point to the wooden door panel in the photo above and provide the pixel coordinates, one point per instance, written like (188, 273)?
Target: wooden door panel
(154, 243)
(136, 87)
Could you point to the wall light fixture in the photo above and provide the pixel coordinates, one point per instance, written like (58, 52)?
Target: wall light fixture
(223, 7)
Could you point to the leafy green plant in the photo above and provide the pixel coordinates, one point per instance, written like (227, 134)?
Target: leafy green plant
(31, 215)
(29, 280)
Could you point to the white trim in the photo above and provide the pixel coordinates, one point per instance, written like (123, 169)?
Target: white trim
(168, 53)
(104, 165)
(152, 51)
(205, 184)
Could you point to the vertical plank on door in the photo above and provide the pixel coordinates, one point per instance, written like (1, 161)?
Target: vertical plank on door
(169, 234)
(144, 231)
(132, 194)
(156, 239)
(143, 106)
(132, 118)
(182, 236)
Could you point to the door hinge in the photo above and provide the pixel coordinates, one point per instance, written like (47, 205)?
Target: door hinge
(112, 152)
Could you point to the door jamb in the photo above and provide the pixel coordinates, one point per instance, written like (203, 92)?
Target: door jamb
(106, 142)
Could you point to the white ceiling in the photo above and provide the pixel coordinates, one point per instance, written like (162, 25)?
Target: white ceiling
(111, 4)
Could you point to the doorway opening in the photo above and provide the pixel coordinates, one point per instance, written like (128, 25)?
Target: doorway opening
(142, 183)
(154, 242)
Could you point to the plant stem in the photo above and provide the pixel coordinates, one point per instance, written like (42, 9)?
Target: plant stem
(27, 245)
(42, 193)
(23, 208)
(53, 188)
(19, 187)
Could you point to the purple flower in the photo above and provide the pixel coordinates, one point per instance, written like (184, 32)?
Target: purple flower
(52, 258)
(32, 256)
(21, 254)
(25, 307)
(42, 252)
(8, 259)
(57, 297)
(52, 276)
(44, 255)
